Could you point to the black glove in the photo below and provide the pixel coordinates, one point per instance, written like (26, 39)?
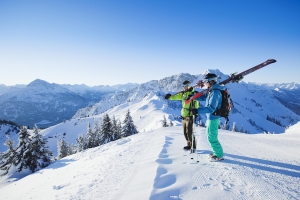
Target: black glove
(167, 96)
(200, 84)
(195, 111)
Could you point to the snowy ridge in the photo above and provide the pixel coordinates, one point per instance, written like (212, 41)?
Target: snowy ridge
(103, 88)
(173, 83)
(286, 86)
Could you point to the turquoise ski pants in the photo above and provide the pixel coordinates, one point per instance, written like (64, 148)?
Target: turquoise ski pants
(212, 137)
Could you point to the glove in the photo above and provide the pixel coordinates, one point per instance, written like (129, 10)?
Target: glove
(200, 83)
(167, 96)
(195, 111)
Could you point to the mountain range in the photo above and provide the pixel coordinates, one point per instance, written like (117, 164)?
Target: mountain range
(257, 107)
(47, 104)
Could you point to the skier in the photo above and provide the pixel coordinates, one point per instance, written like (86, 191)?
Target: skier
(213, 98)
(186, 112)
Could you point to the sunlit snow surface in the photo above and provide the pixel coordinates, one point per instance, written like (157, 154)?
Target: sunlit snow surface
(152, 165)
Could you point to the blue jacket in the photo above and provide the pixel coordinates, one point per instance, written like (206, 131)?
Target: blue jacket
(213, 100)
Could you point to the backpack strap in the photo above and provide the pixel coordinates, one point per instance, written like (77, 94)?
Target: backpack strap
(222, 100)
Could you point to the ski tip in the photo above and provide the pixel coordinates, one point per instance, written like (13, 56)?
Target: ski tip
(272, 60)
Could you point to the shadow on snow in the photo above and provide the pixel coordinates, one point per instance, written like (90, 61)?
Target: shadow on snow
(266, 165)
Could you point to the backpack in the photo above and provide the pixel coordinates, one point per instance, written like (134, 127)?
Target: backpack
(226, 105)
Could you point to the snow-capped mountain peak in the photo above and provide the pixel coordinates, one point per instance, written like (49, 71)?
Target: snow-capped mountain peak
(41, 86)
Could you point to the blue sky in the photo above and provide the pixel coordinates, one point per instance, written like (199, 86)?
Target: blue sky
(115, 42)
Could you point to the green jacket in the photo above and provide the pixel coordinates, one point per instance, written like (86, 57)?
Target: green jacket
(186, 108)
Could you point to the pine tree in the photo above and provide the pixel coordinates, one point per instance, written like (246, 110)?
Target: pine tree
(234, 128)
(81, 143)
(225, 126)
(8, 158)
(106, 130)
(96, 134)
(41, 155)
(62, 149)
(129, 128)
(71, 149)
(171, 123)
(91, 137)
(116, 132)
(24, 150)
(242, 129)
(119, 129)
(164, 122)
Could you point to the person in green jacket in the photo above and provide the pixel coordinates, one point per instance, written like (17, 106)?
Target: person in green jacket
(186, 112)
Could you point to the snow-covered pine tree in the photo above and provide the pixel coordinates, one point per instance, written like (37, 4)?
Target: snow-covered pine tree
(100, 134)
(96, 132)
(71, 149)
(62, 149)
(164, 122)
(242, 129)
(128, 128)
(81, 143)
(116, 132)
(119, 128)
(24, 150)
(91, 138)
(41, 155)
(171, 123)
(234, 128)
(106, 130)
(225, 126)
(8, 157)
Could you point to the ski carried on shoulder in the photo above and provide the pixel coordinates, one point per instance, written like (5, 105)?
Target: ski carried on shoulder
(235, 78)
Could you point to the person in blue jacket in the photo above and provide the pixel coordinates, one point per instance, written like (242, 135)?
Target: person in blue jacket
(213, 100)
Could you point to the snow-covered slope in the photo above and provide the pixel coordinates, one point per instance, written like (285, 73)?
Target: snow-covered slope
(152, 165)
(295, 129)
(10, 129)
(158, 87)
(146, 114)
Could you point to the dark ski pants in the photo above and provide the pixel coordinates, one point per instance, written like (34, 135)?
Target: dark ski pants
(187, 125)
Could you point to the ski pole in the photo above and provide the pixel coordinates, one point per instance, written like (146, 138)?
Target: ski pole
(194, 135)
